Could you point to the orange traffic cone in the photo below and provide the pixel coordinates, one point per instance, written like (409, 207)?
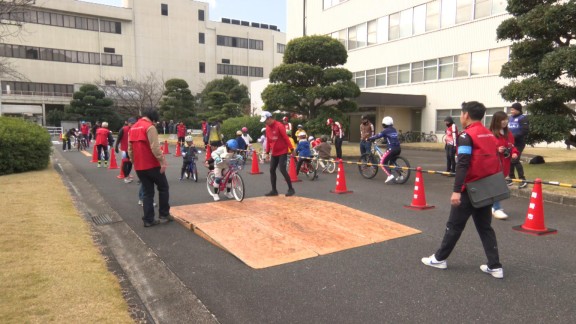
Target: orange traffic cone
(94, 155)
(208, 152)
(255, 164)
(166, 150)
(534, 223)
(292, 171)
(419, 197)
(113, 164)
(121, 175)
(340, 180)
(178, 152)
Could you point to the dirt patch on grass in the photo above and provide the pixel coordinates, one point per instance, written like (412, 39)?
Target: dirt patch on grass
(51, 269)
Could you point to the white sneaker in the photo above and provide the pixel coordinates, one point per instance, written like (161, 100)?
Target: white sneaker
(140, 202)
(390, 178)
(216, 197)
(127, 180)
(496, 273)
(229, 195)
(499, 214)
(431, 261)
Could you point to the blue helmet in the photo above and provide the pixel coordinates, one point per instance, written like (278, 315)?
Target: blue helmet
(232, 144)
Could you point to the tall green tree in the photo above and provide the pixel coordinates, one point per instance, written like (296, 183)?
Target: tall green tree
(310, 79)
(91, 104)
(542, 64)
(224, 98)
(178, 102)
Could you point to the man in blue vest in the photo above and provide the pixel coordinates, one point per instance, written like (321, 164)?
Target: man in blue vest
(519, 126)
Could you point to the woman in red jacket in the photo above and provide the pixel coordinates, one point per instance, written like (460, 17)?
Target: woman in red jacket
(103, 139)
(506, 152)
(277, 144)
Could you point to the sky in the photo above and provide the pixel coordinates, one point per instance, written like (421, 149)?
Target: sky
(271, 12)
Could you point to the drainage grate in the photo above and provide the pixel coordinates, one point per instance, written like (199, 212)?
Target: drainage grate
(102, 219)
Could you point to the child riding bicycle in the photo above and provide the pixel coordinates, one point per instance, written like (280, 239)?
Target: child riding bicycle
(188, 155)
(393, 150)
(220, 157)
(302, 150)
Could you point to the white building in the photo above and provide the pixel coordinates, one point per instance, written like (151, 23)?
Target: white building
(414, 60)
(65, 43)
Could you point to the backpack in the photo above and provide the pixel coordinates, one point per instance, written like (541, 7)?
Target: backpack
(537, 160)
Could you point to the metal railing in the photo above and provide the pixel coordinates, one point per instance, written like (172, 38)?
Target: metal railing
(35, 93)
(54, 131)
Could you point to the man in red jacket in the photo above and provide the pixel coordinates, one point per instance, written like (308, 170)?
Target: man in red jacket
(122, 141)
(103, 139)
(181, 128)
(277, 143)
(150, 165)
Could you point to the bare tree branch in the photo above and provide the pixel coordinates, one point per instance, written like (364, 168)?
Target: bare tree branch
(132, 96)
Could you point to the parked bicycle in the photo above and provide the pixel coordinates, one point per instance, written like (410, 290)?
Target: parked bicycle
(399, 166)
(231, 179)
(429, 138)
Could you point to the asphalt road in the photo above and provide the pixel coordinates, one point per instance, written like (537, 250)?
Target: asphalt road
(379, 283)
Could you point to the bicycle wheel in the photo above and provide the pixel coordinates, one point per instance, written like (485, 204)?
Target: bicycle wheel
(192, 172)
(210, 182)
(408, 137)
(401, 170)
(368, 171)
(310, 170)
(330, 166)
(237, 187)
(195, 173)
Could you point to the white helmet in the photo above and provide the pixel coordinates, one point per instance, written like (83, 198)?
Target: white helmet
(263, 130)
(387, 121)
(188, 138)
(311, 138)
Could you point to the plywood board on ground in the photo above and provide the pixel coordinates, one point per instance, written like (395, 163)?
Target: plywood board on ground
(267, 231)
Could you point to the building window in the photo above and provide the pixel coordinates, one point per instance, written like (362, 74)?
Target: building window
(392, 75)
(370, 78)
(256, 71)
(331, 3)
(419, 21)
(381, 77)
(417, 72)
(202, 67)
(406, 23)
(479, 64)
(360, 79)
(256, 44)
(382, 33)
(280, 48)
(225, 61)
(394, 29)
(200, 15)
(239, 42)
(352, 38)
(164, 9)
(36, 89)
(201, 38)
(448, 13)
(433, 15)
(464, 10)
(498, 57)
(32, 53)
(109, 50)
(372, 32)
(446, 67)
(443, 113)
(110, 82)
(461, 65)
(482, 8)
(239, 70)
(58, 55)
(404, 73)
(361, 35)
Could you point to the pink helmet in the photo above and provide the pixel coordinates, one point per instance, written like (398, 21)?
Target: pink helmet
(285, 119)
(244, 130)
(329, 121)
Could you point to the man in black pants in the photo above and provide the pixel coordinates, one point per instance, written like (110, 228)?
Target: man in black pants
(277, 143)
(519, 126)
(477, 158)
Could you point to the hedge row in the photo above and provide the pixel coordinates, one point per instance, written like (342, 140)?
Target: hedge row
(24, 146)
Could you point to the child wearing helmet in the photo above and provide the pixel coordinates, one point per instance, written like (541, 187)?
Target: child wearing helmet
(393, 150)
(246, 137)
(240, 141)
(299, 131)
(188, 154)
(302, 150)
(220, 157)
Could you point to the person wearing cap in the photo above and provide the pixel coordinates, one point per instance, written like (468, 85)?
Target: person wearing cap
(277, 144)
(451, 132)
(242, 146)
(299, 130)
(366, 131)
(103, 139)
(287, 123)
(519, 126)
(122, 141)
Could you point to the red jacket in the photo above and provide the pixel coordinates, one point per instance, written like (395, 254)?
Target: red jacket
(277, 141)
(143, 159)
(484, 160)
(124, 139)
(181, 130)
(506, 141)
(204, 128)
(102, 136)
(84, 129)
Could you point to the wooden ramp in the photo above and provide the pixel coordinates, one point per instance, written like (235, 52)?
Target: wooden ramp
(268, 231)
